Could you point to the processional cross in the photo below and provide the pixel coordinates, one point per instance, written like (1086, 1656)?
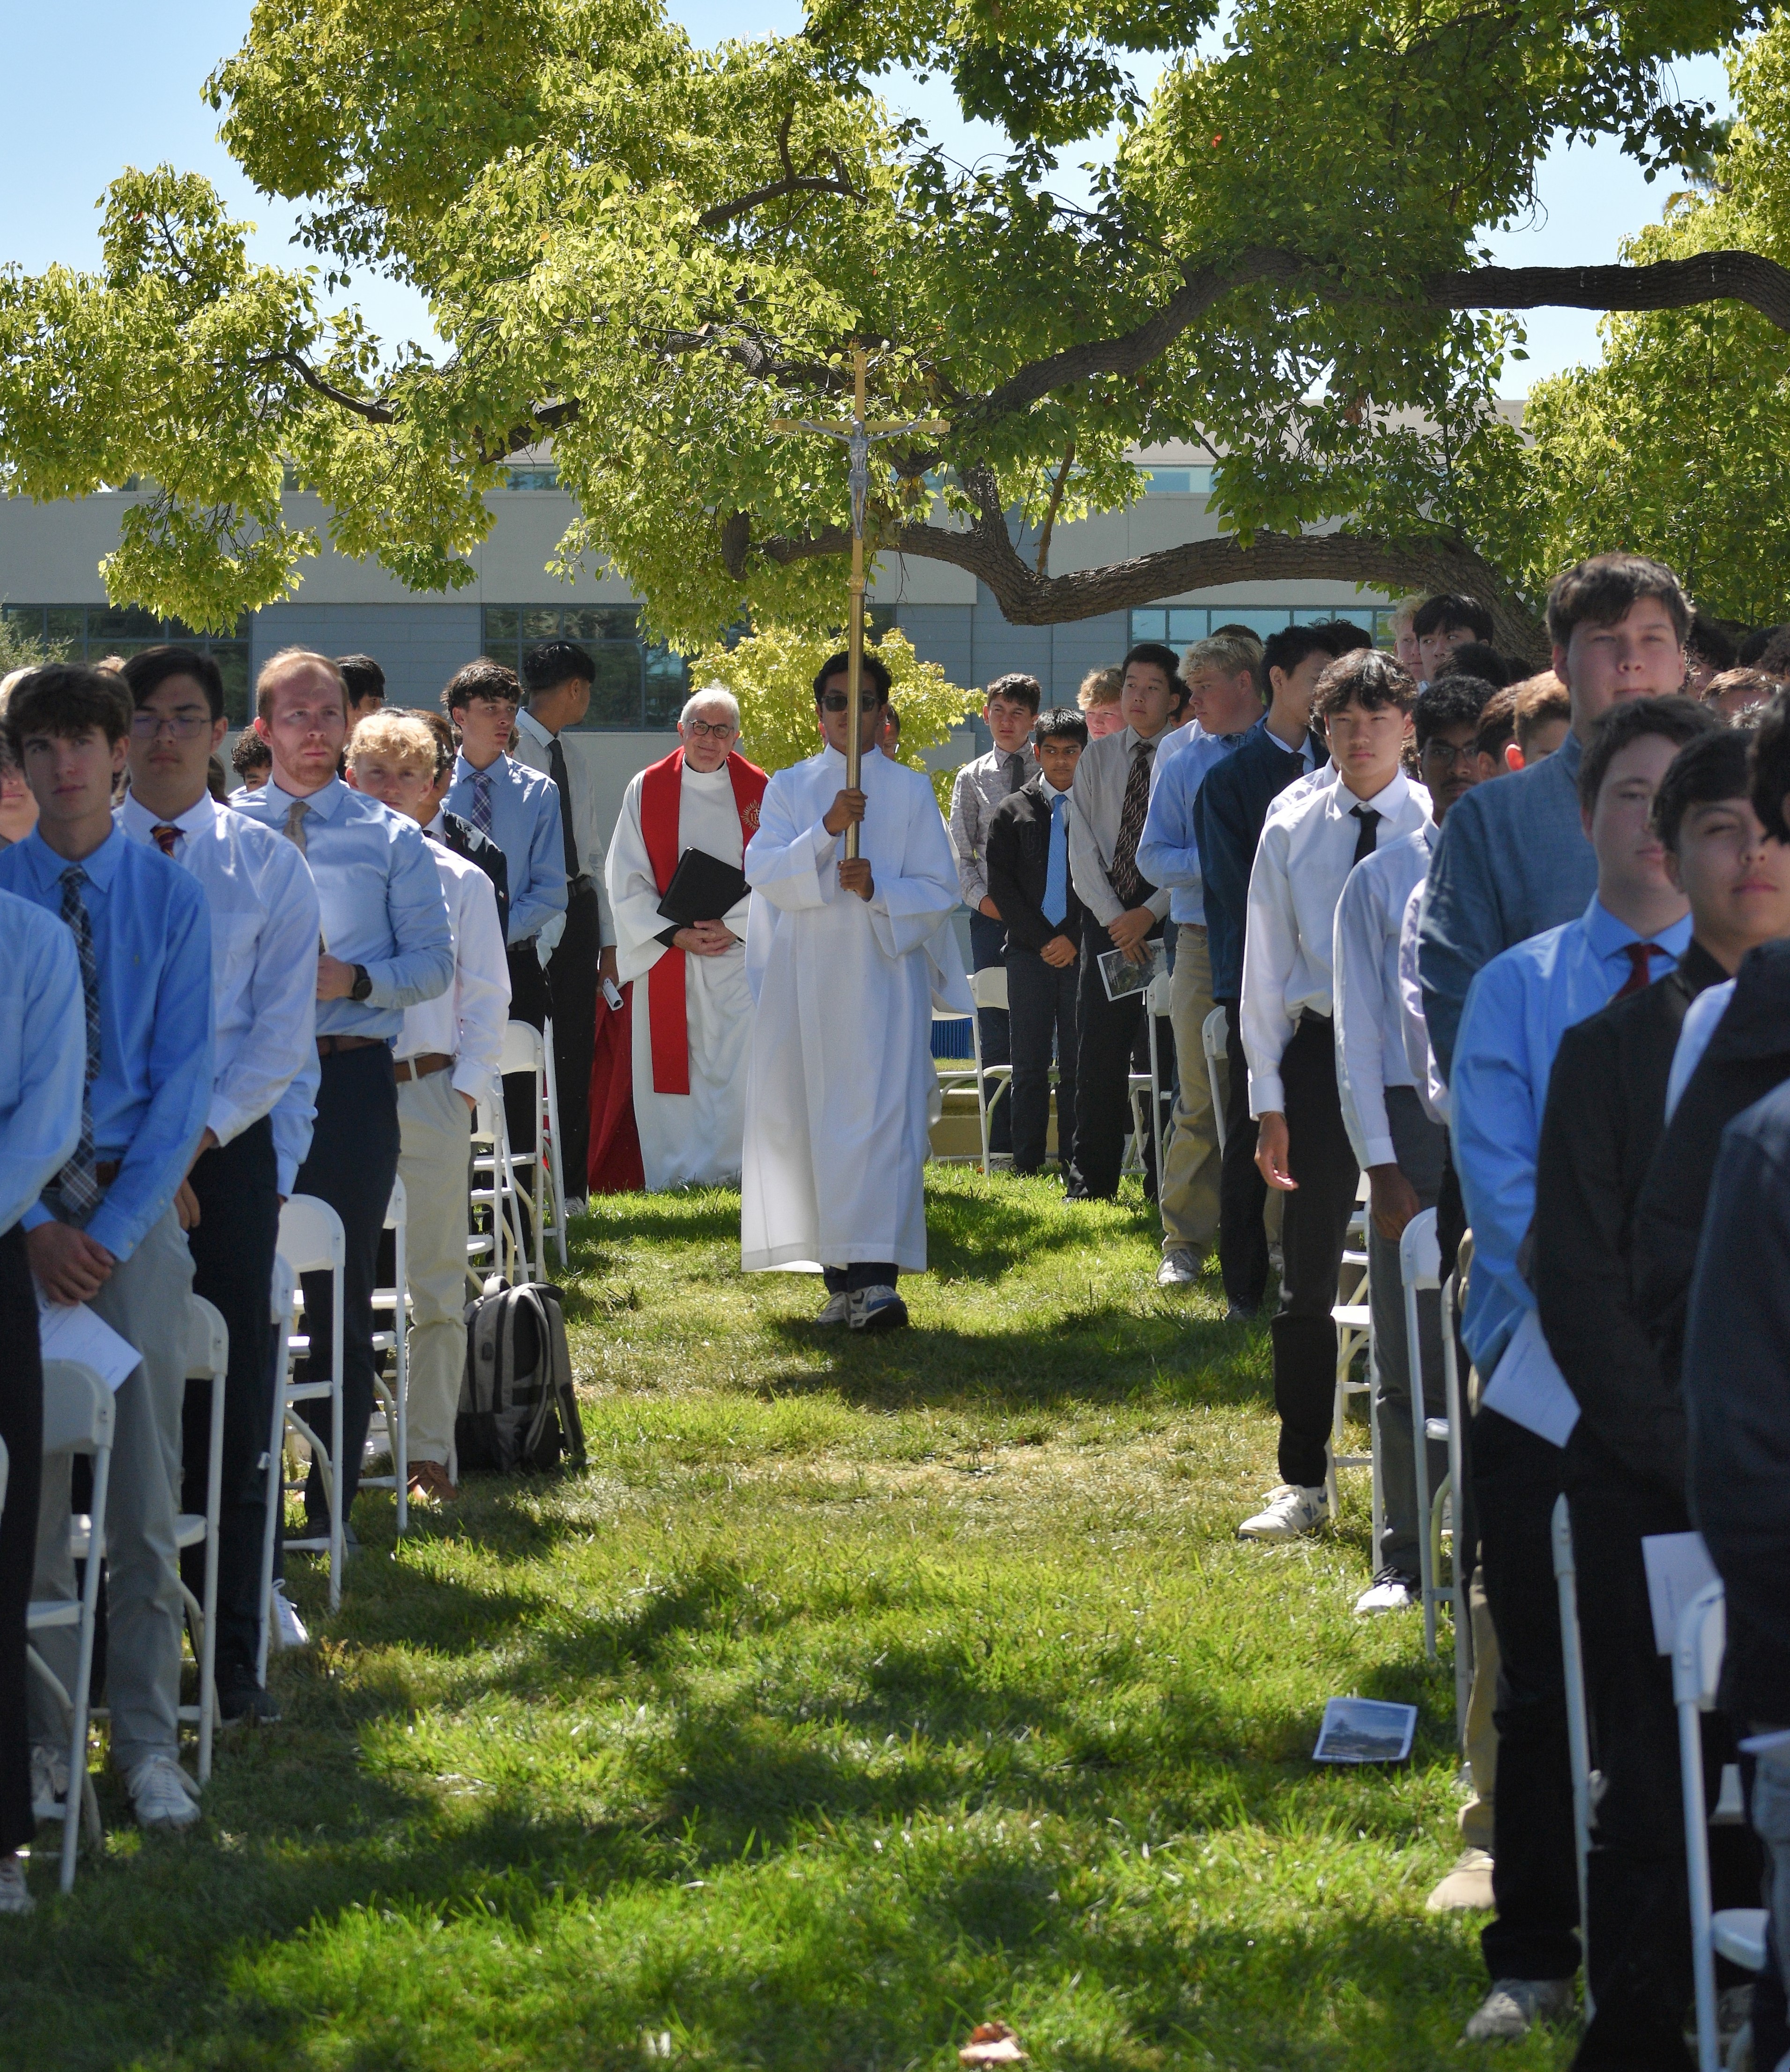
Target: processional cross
(857, 438)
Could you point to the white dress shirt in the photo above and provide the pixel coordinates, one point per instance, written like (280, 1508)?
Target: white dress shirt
(1370, 1035)
(1096, 805)
(467, 1022)
(1420, 1052)
(1302, 863)
(533, 744)
(265, 927)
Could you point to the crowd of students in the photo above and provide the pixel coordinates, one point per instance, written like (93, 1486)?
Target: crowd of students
(1513, 947)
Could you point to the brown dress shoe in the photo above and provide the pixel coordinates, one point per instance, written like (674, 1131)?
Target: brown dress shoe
(431, 1483)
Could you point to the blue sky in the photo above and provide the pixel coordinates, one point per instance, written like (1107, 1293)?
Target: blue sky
(122, 84)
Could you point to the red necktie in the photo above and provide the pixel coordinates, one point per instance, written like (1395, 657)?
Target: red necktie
(164, 836)
(1639, 976)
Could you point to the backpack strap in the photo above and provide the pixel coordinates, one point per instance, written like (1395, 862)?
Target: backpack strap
(571, 1424)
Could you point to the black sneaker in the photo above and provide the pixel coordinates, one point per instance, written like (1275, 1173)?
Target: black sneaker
(242, 1702)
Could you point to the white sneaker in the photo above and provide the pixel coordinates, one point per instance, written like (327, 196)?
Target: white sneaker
(289, 1629)
(1513, 2007)
(835, 1310)
(49, 1782)
(1178, 1269)
(1289, 1514)
(575, 1206)
(1467, 1887)
(878, 1309)
(162, 1794)
(1390, 1591)
(14, 1899)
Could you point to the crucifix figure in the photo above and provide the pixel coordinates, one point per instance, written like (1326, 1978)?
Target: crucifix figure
(857, 438)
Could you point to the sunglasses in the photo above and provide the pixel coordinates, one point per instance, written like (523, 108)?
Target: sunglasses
(840, 700)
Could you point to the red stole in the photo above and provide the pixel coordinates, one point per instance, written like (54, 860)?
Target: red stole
(661, 794)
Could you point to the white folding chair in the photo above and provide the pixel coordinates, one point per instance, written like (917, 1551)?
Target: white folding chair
(532, 1174)
(208, 1360)
(962, 1076)
(390, 1392)
(1457, 1485)
(1420, 1271)
(988, 989)
(78, 1413)
(1353, 1315)
(1578, 1728)
(496, 1197)
(1737, 1933)
(311, 1241)
(281, 1295)
(1147, 1086)
(1213, 1035)
(548, 1132)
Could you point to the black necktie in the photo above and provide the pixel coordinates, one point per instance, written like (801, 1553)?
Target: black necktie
(556, 765)
(1369, 834)
(1016, 772)
(1127, 882)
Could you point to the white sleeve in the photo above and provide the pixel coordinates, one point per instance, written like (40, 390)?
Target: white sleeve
(481, 987)
(1271, 944)
(1358, 960)
(282, 992)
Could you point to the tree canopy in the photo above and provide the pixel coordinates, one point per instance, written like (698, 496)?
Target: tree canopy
(647, 252)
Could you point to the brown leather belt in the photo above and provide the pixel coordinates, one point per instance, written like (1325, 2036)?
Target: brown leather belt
(420, 1068)
(328, 1046)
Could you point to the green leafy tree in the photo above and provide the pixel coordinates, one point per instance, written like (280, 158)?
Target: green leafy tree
(647, 252)
(772, 674)
(1677, 443)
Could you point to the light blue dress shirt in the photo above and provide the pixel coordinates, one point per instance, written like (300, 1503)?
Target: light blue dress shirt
(1168, 852)
(381, 899)
(43, 1053)
(152, 947)
(1517, 1009)
(525, 824)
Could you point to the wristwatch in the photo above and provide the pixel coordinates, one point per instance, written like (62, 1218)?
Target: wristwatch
(362, 985)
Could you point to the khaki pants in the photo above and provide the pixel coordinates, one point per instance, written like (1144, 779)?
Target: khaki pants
(147, 1300)
(1482, 1733)
(1189, 1190)
(434, 1134)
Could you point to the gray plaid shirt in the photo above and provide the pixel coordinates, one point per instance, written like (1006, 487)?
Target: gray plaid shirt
(980, 788)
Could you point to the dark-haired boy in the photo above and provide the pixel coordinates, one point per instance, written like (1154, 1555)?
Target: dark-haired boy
(1231, 804)
(265, 922)
(1027, 854)
(557, 677)
(1635, 928)
(1625, 1465)
(1399, 1145)
(106, 1232)
(1008, 712)
(1311, 839)
(1121, 910)
(845, 958)
(1514, 860)
(1445, 623)
(364, 681)
(250, 762)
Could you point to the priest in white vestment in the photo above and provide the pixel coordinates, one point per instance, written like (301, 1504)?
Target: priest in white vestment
(845, 961)
(690, 1008)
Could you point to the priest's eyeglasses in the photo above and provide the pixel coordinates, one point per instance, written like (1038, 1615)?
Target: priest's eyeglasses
(720, 730)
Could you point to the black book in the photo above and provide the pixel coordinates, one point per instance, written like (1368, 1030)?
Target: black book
(702, 888)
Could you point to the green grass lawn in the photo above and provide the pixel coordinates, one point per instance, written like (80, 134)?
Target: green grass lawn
(861, 1690)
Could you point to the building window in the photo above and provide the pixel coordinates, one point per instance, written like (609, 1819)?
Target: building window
(534, 478)
(90, 632)
(1178, 625)
(1174, 481)
(638, 688)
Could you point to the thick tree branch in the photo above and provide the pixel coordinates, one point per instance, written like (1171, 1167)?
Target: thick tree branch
(1668, 284)
(374, 413)
(725, 212)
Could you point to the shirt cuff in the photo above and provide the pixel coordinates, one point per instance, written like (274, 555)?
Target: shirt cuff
(1380, 1152)
(223, 1121)
(1268, 1095)
(35, 1217)
(474, 1079)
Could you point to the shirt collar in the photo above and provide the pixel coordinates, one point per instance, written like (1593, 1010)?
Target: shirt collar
(136, 820)
(48, 867)
(532, 727)
(326, 804)
(437, 826)
(1385, 802)
(1608, 935)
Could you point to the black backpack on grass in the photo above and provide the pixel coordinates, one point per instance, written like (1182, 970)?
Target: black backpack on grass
(519, 1412)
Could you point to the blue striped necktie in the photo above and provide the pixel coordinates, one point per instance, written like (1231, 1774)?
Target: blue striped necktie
(77, 1183)
(1056, 898)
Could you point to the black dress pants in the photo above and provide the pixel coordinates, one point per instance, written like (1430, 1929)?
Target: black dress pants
(1314, 1226)
(1242, 1192)
(572, 979)
(1535, 1876)
(232, 1246)
(1106, 1033)
(22, 1428)
(988, 951)
(353, 1161)
(1638, 1932)
(1041, 1002)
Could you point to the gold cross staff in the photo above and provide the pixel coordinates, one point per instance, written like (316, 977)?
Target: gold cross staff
(857, 438)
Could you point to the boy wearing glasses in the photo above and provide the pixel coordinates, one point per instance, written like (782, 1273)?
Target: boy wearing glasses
(845, 960)
(265, 923)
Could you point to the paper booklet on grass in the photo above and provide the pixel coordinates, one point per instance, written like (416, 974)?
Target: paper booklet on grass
(1366, 1730)
(1121, 976)
(702, 888)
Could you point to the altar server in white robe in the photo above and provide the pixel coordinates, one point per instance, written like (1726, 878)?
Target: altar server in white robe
(846, 960)
(691, 1006)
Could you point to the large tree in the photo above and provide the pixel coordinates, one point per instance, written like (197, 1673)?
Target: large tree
(646, 253)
